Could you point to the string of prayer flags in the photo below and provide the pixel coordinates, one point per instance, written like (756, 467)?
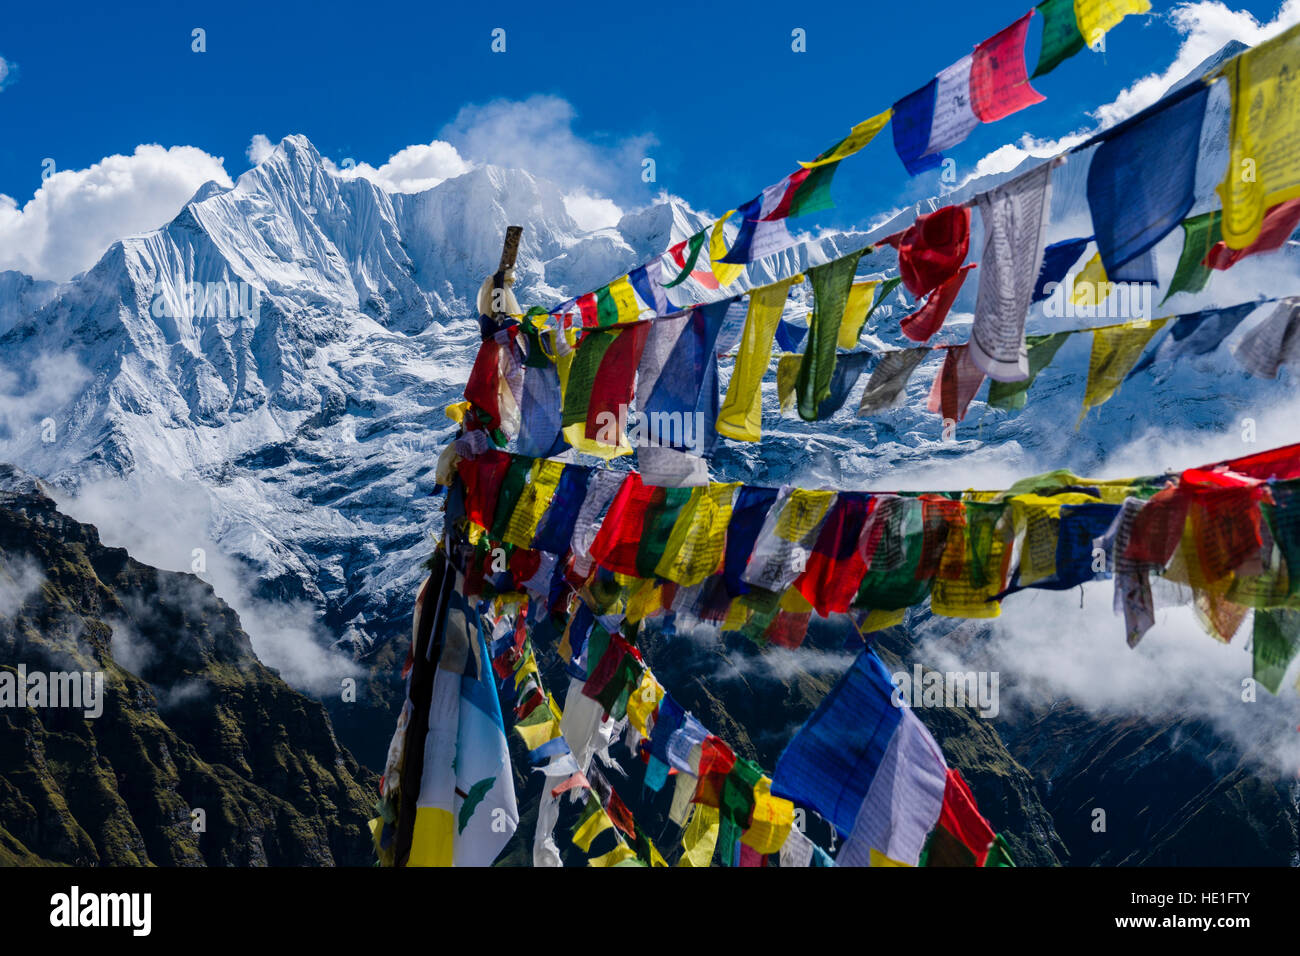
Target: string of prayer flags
(956, 384)
(1011, 396)
(1273, 343)
(1057, 260)
(1278, 225)
(988, 85)
(741, 416)
(1196, 334)
(927, 320)
(1142, 181)
(1200, 234)
(831, 284)
(1114, 352)
(1263, 163)
(889, 380)
(932, 249)
(1070, 25)
(1015, 224)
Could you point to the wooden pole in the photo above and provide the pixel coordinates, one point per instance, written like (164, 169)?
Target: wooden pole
(509, 251)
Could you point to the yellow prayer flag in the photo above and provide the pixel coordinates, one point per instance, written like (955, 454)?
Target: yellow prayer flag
(694, 548)
(1037, 524)
(700, 836)
(456, 411)
(1091, 286)
(741, 417)
(1114, 352)
(773, 817)
(878, 619)
(1098, 17)
(861, 295)
(431, 837)
(858, 137)
(879, 859)
(544, 478)
(803, 511)
(641, 703)
(620, 854)
(725, 272)
(624, 296)
(534, 735)
(787, 376)
(1263, 162)
(793, 602)
(644, 600)
(595, 825)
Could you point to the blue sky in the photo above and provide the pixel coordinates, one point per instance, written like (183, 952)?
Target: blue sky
(712, 92)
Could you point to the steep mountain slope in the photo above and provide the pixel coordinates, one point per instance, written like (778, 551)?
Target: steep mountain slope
(191, 720)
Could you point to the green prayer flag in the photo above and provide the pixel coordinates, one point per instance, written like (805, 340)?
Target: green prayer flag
(1061, 36)
(661, 515)
(999, 853)
(606, 308)
(694, 245)
(1200, 233)
(1276, 641)
(1042, 349)
(582, 375)
(512, 486)
(882, 291)
(831, 284)
(814, 193)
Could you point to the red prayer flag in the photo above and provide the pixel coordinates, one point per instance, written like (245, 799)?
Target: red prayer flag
(590, 310)
(999, 81)
(716, 761)
(619, 538)
(928, 319)
(483, 389)
(620, 814)
(612, 390)
(1279, 222)
(1278, 464)
(837, 564)
(956, 384)
(482, 477)
(932, 249)
(1158, 527)
(960, 817)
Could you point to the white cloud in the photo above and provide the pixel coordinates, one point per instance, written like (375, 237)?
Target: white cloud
(8, 72)
(537, 134)
(259, 147)
(410, 170)
(592, 212)
(76, 214)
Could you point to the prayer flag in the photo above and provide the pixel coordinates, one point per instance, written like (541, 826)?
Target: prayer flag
(999, 82)
(741, 417)
(932, 249)
(1142, 180)
(1279, 223)
(1200, 235)
(1057, 260)
(1042, 349)
(889, 379)
(1015, 223)
(1271, 344)
(831, 284)
(1263, 163)
(927, 320)
(956, 384)
(1114, 352)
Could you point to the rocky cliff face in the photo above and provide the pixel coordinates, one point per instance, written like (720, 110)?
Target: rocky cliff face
(195, 734)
